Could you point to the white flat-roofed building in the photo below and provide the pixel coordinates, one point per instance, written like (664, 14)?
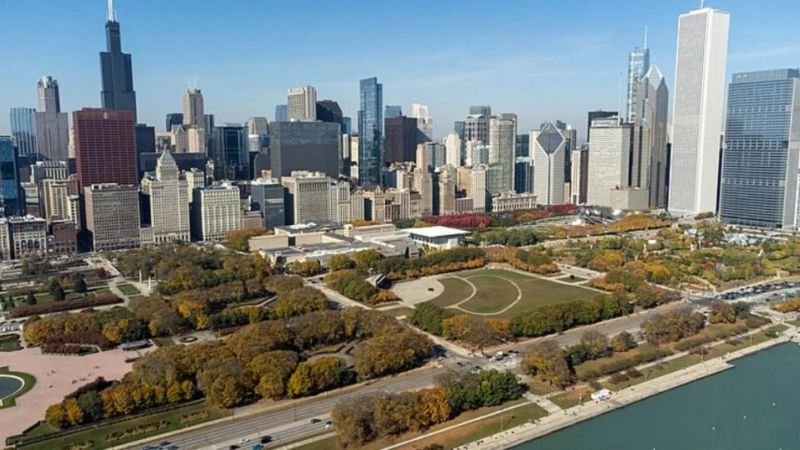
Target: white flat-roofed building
(443, 238)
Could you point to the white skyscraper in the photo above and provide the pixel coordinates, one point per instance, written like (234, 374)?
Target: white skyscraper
(650, 137)
(547, 147)
(169, 201)
(452, 144)
(302, 103)
(697, 110)
(609, 156)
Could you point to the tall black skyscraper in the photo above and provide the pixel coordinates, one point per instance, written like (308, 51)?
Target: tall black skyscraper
(117, 70)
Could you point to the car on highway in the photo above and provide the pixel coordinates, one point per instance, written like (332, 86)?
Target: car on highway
(328, 424)
(315, 420)
(266, 439)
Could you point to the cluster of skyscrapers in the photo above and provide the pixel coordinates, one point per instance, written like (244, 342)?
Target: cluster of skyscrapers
(109, 182)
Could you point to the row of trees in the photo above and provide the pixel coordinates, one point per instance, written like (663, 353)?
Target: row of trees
(102, 328)
(554, 365)
(480, 332)
(33, 308)
(672, 326)
(363, 419)
(265, 359)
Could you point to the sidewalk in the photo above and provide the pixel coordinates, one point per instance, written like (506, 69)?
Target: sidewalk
(576, 414)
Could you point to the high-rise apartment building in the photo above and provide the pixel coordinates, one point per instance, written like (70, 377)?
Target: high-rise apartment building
(423, 183)
(759, 166)
(12, 200)
(105, 148)
(700, 63)
(216, 211)
(112, 215)
(302, 103)
(446, 198)
(116, 70)
(311, 146)
(609, 156)
(547, 149)
(370, 129)
(168, 196)
(502, 148)
(401, 139)
(23, 130)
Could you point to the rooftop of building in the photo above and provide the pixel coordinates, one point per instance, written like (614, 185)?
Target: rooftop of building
(22, 219)
(436, 231)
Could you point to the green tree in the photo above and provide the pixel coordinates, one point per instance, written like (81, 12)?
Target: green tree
(623, 342)
(57, 291)
(30, 298)
(340, 262)
(548, 362)
(79, 285)
(596, 344)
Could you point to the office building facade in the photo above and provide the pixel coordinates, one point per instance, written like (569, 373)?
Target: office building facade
(370, 129)
(230, 155)
(697, 110)
(12, 200)
(267, 196)
(547, 148)
(23, 130)
(609, 156)
(401, 139)
(216, 211)
(112, 215)
(312, 146)
(760, 163)
(502, 148)
(105, 147)
(168, 198)
(302, 103)
(116, 70)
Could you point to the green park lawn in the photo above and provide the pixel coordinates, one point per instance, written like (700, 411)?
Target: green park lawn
(128, 289)
(9, 343)
(497, 289)
(96, 437)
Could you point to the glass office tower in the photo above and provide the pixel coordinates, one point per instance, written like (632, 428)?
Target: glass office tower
(370, 129)
(759, 164)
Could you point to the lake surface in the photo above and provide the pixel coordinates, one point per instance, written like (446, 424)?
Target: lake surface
(753, 406)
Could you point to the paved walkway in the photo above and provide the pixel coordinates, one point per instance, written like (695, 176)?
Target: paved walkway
(576, 414)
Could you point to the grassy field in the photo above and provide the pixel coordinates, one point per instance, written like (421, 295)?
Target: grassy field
(96, 438)
(496, 289)
(455, 290)
(493, 293)
(9, 343)
(128, 289)
(572, 398)
(28, 380)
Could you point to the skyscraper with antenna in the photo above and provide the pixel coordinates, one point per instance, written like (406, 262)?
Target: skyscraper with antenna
(638, 65)
(116, 69)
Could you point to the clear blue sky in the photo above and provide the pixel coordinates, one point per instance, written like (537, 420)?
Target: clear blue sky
(540, 59)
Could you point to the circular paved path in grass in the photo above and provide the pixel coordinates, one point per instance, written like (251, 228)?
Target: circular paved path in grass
(462, 304)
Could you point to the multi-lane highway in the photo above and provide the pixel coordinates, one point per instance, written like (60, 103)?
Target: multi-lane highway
(293, 421)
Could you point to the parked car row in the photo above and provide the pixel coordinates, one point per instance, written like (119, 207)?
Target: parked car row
(754, 290)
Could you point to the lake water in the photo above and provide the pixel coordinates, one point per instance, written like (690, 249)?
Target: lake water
(753, 406)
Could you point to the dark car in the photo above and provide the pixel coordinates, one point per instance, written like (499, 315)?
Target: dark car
(315, 420)
(266, 439)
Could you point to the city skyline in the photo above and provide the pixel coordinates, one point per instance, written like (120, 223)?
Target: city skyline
(537, 84)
